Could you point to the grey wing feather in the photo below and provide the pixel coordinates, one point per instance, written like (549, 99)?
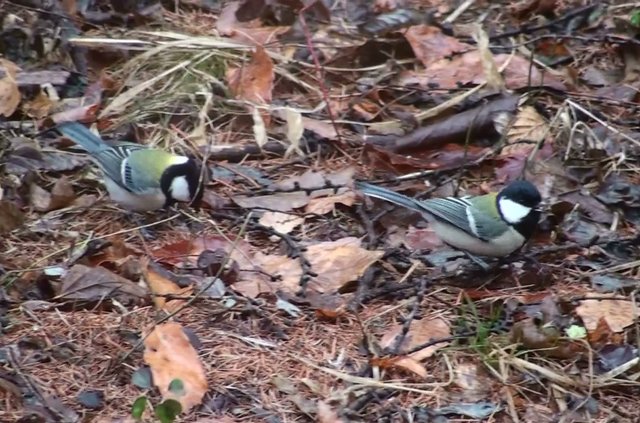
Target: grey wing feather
(451, 210)
(110, 161)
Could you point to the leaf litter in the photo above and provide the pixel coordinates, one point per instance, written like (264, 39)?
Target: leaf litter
(279, 270)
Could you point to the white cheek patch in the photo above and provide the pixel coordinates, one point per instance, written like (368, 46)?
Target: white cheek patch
(179, 160)
(513, 212)
(179, 189)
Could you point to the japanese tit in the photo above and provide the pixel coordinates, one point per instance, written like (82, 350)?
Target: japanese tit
(139, 178)
(494, 224)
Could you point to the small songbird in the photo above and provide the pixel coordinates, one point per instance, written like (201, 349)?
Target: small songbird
(493, 225)
(139, 178)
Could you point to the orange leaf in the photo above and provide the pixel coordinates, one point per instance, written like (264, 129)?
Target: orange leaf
(254, 82)
(9, 92)
(161, 287)
(171, 356)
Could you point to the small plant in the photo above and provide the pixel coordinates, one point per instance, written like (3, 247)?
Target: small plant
(635, 18)
(167, 411)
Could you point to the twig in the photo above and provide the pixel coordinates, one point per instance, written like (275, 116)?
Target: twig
(195, 296)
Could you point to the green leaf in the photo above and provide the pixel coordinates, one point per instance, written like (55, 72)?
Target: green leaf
(138, 407)
(635, 18)
(177, 387)
(168, 410)
(576, 332)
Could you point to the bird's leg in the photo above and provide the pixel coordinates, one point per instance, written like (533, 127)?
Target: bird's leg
(477, 260)
(141, 221)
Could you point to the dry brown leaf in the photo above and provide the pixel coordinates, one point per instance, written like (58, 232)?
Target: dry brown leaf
(39, 198)
(429, 44)
(324, 205)
(324, 130)
(326, 414)
(61, 196)
(421, 239)
(412, 365)
(314, 180)
(254, 81)
(98, 284)
(468, 69)
(420, 332)
(39, 107)
(335, 262)
(281, 222)
(160, 287)
(618, 312)
(473, 381)
(251, 32)
(282, 201)
(491, 72)
(171, 356)
(9, 92)
(186, 253)
(528, 125)
(11, 217)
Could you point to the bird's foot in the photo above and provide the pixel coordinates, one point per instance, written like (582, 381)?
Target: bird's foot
(479, 262)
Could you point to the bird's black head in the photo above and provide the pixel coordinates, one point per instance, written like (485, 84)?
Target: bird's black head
(523, 193)
(181, 182)
(518, 205)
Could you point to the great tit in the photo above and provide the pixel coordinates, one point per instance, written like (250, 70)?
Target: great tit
(493, 225)
(139, 178)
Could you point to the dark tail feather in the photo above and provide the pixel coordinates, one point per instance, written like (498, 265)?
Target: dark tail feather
(388, 195)
(82, 136)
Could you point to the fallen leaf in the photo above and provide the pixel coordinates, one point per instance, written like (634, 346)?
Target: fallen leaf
(161, 287)
(171, 357)
(491, 73)
(404, 363)
(429, 44)
(252, 32)
(421, 239)
(185, 253)
(474, 383)
(283, 201)
(9, 92)
(324, 205)
(467, 69)
(295, 129)
(420, 332)
(313, 180)
(324, 130)
(62, 194)
(253, 82)
(11, 217)
(617, 312)
(326, 414)
(528, 125)
(281, 222)
(335, 263)
(95, 284)
(39, 198)
(39, 107)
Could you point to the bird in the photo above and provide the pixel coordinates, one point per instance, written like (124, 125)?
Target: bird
(139, 178)
(491, 225)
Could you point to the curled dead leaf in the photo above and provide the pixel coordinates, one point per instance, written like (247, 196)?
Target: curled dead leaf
(420, 332)
(161, 287)
(171, 356)
(618, 312)
(9, 92)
